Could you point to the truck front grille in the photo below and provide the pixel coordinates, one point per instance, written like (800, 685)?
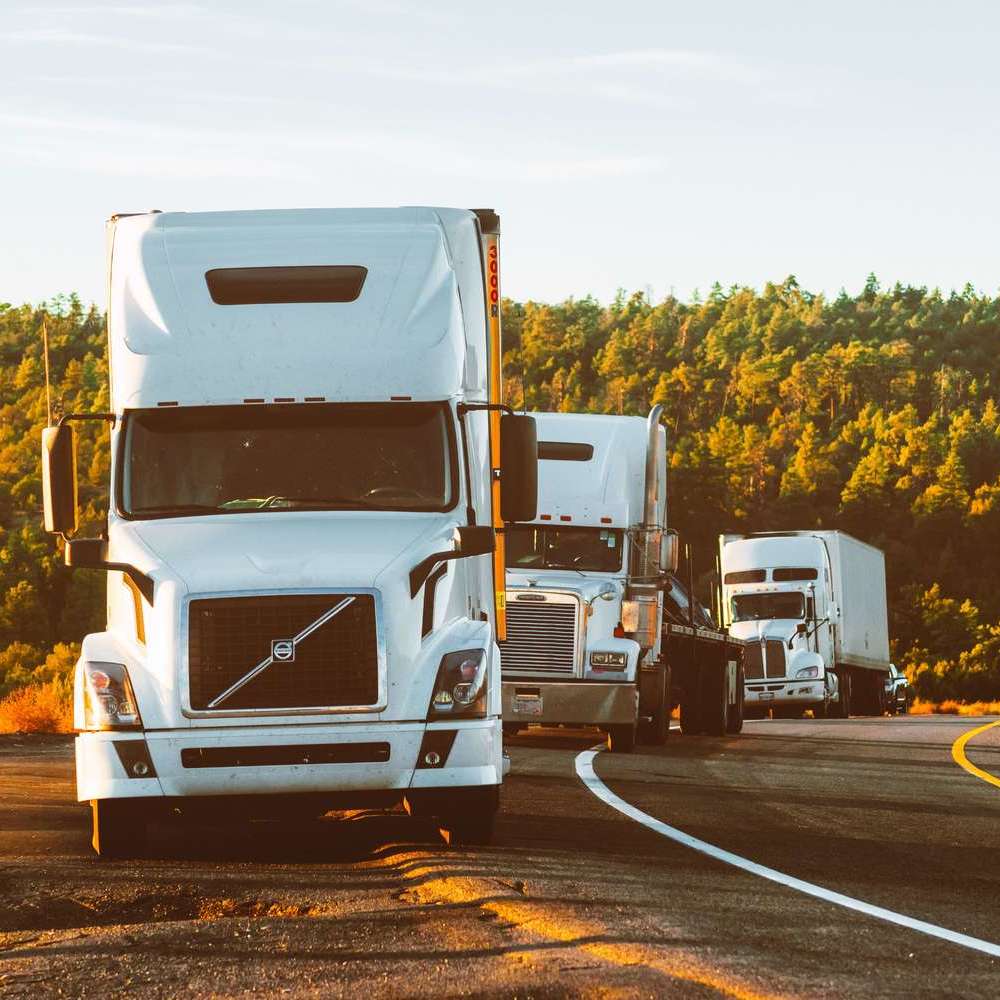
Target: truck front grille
(775, 658)
(541, 635)
(333, 665)
(753, 663)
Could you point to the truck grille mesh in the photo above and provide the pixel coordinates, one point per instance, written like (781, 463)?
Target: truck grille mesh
(335, 666)
(753, 664)
(775, 658)
(541, 638)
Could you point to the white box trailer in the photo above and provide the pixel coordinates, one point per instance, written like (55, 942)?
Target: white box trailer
(305, 485)
(813, 604)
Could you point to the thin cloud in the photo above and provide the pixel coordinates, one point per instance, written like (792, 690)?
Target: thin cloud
(62, 36)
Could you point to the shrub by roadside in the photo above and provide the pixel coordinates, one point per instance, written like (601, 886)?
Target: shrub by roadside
(949, 707)
(39, 708)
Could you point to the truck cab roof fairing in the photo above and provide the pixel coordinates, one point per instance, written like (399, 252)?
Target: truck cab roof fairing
(415, 328)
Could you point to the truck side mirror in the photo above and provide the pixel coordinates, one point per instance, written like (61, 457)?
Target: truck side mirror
(670, 551)
(518, 467)
(59, 479)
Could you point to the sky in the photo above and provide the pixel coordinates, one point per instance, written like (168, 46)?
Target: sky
(651, 146)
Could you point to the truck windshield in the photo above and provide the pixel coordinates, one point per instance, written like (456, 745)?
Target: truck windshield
(598, 549)
(757, 607)
(316, 456)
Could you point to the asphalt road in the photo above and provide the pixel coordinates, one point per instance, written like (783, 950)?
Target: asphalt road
(573, 899)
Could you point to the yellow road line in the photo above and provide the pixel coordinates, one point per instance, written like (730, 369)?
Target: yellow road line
(958, 754)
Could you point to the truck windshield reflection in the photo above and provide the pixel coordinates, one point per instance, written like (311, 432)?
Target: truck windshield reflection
(230, 459)
(595, 549)
(763, 607)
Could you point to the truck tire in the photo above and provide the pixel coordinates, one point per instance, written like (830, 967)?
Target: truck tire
(841, 708)
(468, 816)
(120, 827)
(511, 728)
(621, 738)
(654, 715)
(734, 718)
(715, 705)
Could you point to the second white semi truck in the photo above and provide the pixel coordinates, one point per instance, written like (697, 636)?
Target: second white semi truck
(601, 632)
(812, 606)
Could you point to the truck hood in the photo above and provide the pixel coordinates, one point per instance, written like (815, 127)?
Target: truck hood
(770, 628)
(587, 587)
(288, 550)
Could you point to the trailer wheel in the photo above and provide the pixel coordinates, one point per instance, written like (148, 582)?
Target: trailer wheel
(841, 708)
(734, 718)
(119, 827)
(691, 720)
(621, 738)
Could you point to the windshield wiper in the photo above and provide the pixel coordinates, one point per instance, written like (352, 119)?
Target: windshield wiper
(181, 508)
(349, 502)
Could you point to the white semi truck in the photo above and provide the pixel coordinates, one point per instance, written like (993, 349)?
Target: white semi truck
(812, 606)
(308, 465)
(601, 632)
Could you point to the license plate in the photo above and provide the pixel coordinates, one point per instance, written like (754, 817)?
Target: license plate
(766, 696)
(527, 706)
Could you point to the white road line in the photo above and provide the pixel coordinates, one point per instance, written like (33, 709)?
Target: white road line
(586, 773)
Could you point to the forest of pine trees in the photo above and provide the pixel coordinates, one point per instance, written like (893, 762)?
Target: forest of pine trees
(877, 414)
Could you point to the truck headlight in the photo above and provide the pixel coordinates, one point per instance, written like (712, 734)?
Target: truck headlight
(812, 671)
(612, 661)
(108, 699)
(460, 688)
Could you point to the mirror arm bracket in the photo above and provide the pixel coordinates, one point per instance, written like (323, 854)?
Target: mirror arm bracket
(424, 568)
(84, 560)
(464, 408)
(110, 418)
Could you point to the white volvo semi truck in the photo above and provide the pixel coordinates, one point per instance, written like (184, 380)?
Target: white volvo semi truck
(812, 606)
(600, 630)
(308, 465)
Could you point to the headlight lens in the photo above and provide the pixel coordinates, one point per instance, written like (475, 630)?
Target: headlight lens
(808, 672)
(460, 688)
(611, 661)
(108, 699)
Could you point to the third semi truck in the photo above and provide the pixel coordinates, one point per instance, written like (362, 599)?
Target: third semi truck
(812, 606)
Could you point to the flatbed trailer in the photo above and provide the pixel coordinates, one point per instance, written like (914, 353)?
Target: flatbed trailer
(699, 669)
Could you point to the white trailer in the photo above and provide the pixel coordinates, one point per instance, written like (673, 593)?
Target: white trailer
(601, 632)
(305, 487)
(813, 606)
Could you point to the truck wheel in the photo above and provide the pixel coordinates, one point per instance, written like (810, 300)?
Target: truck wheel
(511, 728)
(734, 720)
(841, 708)
(654, 724)
(470, 817)
(715, 706)
(119, 827)
(691, 720)
(621, 738)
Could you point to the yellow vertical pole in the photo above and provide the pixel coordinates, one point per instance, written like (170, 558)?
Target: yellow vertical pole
(491, 256)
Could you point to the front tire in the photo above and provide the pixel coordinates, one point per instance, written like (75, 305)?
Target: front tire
(841, 708)
(119, 828)
(621, 738)
(465, 816)
(715, 704)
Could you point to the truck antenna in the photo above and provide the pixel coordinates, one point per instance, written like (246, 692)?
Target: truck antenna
(48, 389)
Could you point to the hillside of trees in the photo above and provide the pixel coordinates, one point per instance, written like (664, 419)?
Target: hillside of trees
(876, 413)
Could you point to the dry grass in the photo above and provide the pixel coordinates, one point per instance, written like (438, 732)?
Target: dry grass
(950, 707)
(38, 708)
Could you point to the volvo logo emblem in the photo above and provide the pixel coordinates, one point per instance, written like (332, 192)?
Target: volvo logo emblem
(283, 650)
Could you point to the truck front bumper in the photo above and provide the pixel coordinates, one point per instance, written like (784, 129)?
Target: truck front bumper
(764, 694)
(574, 702)
(288, 760)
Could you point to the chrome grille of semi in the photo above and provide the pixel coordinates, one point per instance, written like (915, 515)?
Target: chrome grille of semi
(542, 635)
(753, 665)
(775, 658)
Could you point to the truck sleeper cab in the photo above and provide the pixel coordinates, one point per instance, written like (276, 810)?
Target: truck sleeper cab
(300, 541)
